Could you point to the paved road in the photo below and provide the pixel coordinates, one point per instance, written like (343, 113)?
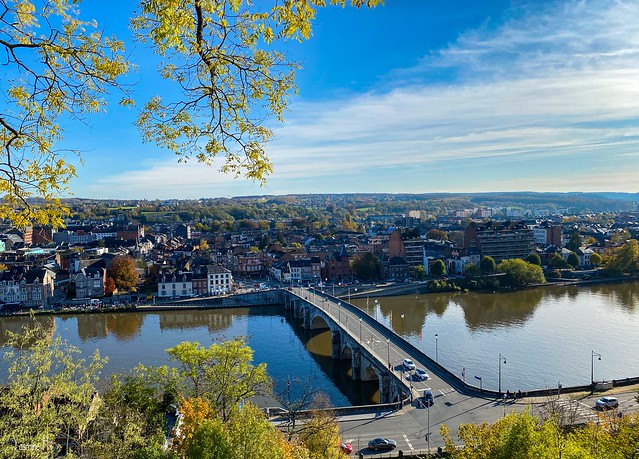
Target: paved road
(411, 426)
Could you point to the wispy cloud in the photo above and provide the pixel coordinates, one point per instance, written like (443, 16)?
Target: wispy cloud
(541, 101)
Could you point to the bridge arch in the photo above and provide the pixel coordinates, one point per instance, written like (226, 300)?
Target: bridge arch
(319, 323)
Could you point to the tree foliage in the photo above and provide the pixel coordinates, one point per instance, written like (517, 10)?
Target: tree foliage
(573, 259)
(122, 271)
(558, 262)
(534, 259)
(438, 269)
(221, 374)
(366, 266)
(596, 259)
(221, 57)
(48, 397)
(518, 272)
(523, 436)
(487, 265)
(437, 234)
(55, 65)
(625, 259)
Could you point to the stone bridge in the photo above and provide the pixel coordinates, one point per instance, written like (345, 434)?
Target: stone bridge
(366, 365)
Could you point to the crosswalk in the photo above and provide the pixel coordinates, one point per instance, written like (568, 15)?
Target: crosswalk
(579, 411)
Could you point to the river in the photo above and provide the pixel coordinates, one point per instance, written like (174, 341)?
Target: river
(546, 335)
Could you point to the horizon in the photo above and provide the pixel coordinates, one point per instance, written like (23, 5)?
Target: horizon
(413, 98)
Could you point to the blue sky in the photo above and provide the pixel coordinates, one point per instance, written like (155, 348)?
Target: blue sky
(412, 97)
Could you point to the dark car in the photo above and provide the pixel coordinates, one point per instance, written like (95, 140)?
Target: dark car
(382, 443)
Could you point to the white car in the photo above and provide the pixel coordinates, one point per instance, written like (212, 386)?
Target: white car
(408, 364)
(605, 403)
(421, 374)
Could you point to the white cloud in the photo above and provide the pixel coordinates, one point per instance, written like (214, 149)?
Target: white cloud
(553, 86)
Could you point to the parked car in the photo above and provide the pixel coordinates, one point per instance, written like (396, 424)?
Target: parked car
(382, 443)
(408, 364)
(605, 403)
(421, 374)
(346, 448)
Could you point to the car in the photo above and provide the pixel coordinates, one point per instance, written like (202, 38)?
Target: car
(382, 443)
(346, 448)
(427, 399)
(421, 374)
(408, 364)
(605, 403)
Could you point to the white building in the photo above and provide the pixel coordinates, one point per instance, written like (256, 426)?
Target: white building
(220, 280)
(178, 284)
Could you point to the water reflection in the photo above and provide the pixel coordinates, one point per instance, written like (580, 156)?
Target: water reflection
(13, 324)
(319, 345)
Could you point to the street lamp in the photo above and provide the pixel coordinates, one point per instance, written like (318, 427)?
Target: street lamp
(436, 348)
(428, 430)
(360, 330)
(402, 316)
(501, 358)
(388, 350)
(592, 370)
(376, 301)
(349, 293)
(339, 312)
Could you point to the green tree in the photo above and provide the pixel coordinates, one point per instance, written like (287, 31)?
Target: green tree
(222, 374)
(487, 265)
(419, 272)
(438, 269)
(518, 272)
(558, 262)
(595, 259)
(472, 269)
(437, 234)
(573, 259)
(534, 259)
(49, 394)
(625, 259)
(366, 266)
(574, 242)
(122, 271)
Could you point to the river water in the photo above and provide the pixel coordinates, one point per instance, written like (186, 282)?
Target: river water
(547, 336)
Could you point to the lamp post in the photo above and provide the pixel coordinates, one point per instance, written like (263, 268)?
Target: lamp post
(436, 348)
(339, 312)
(428, 430)
(349, 293)
(360, 330)
(592, 370)
(376, 304)
(388, 351)
(501, 358)
(402, 316)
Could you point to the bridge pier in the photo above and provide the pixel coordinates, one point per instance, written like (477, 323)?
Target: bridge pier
(356, 364)
(336, 345)
(306, 317)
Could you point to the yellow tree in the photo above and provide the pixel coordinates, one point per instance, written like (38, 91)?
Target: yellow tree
(54, 65)
(220, 55)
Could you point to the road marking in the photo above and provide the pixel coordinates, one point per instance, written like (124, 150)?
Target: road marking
(408, 442)
(442, 392)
